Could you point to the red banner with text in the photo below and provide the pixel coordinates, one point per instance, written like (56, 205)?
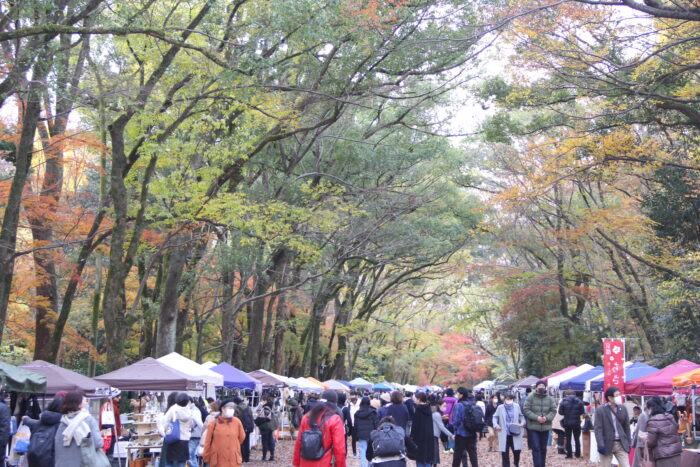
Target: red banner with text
(614, 364)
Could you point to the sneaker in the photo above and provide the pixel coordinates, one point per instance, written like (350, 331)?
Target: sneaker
(452, 451)
(446, 451)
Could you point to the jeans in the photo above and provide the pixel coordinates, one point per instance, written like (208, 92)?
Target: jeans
(538, 439)
(463, 447)
(620, 454)
(268, 443)
(505, 458)
(175, 464)
(423, 464)
(575, 433)
(194, 442)
(362, 446)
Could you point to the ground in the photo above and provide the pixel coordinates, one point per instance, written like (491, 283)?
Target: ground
(283, 457)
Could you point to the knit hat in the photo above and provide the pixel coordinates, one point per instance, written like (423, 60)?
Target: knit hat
(330, 396)
(541, 381)
(385, 397)
(228, 404)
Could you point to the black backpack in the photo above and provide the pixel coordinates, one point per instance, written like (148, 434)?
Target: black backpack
(473, 418)
(312, 439)
(41, 446)
(387, 441)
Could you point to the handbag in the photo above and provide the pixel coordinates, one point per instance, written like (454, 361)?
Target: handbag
(514, 429)
(172, 433)
(21, 439)
(107, 415)
(646, 460)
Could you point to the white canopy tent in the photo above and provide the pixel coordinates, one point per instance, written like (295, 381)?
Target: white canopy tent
(208, 365)
(304, 384)
(488, 384)
(190, 367)
(554, 381)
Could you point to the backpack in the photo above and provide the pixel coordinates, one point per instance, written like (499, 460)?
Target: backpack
(41, 446)
(297, 414)
(312, 439)
(473, 418)
(388, 441)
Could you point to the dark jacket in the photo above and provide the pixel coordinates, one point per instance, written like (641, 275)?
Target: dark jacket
(572, 410)
(398, 411)
(605, 431)
(365, 422)
(490, 410)
(458, 415)
(4, 425)
(44, 428)
(411, 406)
(422, 434)
(662, 438)
(539, 405)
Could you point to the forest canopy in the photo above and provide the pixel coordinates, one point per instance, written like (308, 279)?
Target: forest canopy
(430, 191)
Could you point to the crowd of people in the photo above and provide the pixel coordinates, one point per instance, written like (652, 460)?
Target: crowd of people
(382, 430)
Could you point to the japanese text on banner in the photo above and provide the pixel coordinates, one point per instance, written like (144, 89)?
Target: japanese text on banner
(614, 363)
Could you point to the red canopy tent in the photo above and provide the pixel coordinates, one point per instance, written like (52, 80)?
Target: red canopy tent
(560, 372)
(659, 383)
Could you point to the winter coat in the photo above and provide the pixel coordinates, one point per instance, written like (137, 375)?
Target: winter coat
(245, 414)
(4, 424)
(48, 424)
(422, 434)
(70, 456)
(197, 423)
(662, 438)
(536, 406)
(439, 425)
(365, 422)
(222, 445)
(333, 440)
(458, 414)
(500, 420)
(184, 416)
(605, 432)
(572, 409)
(641, 427)
(398, 411)
(488, 413)
(449, 405)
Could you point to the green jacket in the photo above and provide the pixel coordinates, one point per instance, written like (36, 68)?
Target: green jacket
(536, 406)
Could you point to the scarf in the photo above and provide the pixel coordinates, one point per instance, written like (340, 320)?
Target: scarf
(509, 413)
(77, 429)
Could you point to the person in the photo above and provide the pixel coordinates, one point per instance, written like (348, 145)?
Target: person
(396, 409)
(636, 413)
(612, 429)
(572, 410)
(353, 407)
(558, 430)
(397, 458)
(324, 415)
(539, 410)
(178, 452)
(75, 426)
(491, 438)
(586, 429)
(214, 411)
(196, 434)
(5, 415)
(439, 428)
(411, 407)
(449, 401)
(465, 440)
(41, 444)
(506, 420)
(294, 412)
(245, 414)
(482, 405)
(116, 429)
(663, 441)
(422, 431)
(266, 421)
(639, 436)
(365, 423)
(347, 421)
(224, 435)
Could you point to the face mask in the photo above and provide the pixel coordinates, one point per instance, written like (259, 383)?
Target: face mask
(228, 413)
(495, 401)
(509, 402)
(541, 391)
(618, 400)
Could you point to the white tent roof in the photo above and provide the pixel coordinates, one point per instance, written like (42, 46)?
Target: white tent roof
(554, 381)
(208, 365)
(192, 368)
(410, 388)
(488, 384)
(306, 385)
(333, 384)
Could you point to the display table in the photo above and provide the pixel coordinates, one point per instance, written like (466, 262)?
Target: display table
(690, 458)
(135, 460)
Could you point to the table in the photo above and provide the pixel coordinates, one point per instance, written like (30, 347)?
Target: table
(131, 450)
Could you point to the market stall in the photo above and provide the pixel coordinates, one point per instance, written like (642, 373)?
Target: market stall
(633, 371)
(316, 382)
(659, 383)
(183, 364)
(269, 379)
(381, 387)
(235, 378)
(485, 385)
(527, 382)
(16, 379)
(337, 385)
(61, 379)
(361, 383)
(578, 383)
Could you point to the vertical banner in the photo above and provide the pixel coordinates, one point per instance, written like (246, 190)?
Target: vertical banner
(614, 363)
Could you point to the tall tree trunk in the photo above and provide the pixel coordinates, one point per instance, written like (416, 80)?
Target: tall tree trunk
(280, 329)
(23, 162)
(166, 339)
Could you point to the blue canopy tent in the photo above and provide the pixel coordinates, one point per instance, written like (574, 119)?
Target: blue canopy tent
(235, 378)
(360, 383)
(578, 383)
(382, 387)
(632, 372)
(345, 383)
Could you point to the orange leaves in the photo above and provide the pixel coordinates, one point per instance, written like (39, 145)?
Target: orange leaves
(374, 14)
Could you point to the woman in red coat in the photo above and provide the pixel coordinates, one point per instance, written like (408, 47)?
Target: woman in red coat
(325, 414)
